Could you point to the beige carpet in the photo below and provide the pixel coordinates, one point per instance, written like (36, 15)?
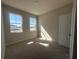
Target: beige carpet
(36, 50)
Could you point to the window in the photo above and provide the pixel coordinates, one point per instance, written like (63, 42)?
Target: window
(32, 23)
(15, 23)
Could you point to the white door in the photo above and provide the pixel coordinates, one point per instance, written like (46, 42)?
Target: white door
(64, 30)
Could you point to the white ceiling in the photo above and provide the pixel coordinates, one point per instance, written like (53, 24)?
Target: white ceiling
(37, 7)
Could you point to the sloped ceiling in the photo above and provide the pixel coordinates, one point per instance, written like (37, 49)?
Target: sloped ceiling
(37, 7)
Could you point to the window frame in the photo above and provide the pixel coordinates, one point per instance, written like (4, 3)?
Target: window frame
(35, 27)
(16, 14)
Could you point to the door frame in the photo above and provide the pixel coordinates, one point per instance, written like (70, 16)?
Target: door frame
(73, 33)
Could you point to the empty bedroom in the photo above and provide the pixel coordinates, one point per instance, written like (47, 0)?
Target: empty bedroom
(37, 29)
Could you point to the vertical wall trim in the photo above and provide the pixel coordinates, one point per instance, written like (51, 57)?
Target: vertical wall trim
(2, 38)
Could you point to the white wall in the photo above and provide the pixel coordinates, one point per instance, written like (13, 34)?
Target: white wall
(11, 38)
(50, 20)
